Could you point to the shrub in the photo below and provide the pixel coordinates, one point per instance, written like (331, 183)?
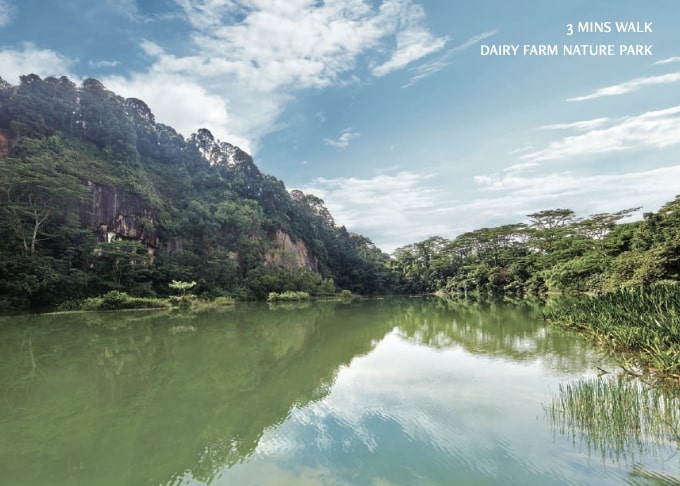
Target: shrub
(115, 299)
(287, 296)
(223, 300)
(346, 295)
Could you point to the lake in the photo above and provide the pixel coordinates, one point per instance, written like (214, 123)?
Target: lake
(382, 392)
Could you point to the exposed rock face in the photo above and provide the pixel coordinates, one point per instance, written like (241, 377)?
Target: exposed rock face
(119, 214)
(174, 243)
(290, 254)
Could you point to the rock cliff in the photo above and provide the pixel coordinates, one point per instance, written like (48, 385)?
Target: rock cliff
(288, 254)
(118, 214)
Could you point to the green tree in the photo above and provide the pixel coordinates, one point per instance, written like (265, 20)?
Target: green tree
(31, 199)
(182, 287)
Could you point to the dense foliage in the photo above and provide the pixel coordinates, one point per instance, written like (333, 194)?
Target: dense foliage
(633, 267)
(553, 251)
(640, 324)
(192, 209)
(199, 210)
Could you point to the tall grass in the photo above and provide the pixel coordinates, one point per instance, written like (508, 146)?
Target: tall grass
(617, 416)
(641, 324)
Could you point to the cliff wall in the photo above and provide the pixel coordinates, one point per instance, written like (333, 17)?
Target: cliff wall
(288, 254)
(116, 213)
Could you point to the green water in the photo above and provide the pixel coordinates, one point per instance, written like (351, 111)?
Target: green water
(397, 391)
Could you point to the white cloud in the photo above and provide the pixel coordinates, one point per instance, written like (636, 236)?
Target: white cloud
(103, 64)
(151, 48)
(398, 209)
(431, 67)
(256, 55)
(521, 167)
(6, 13)
(656, 129)
(413, 43)
(182, 103)
(586, 194)
(629, 86)
(346, 136)
(302, 44)
(32, 60)
(389, 209)
(582, 125)
(668, 60)
(525, 149)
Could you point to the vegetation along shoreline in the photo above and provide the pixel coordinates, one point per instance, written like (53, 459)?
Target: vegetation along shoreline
(103, 207)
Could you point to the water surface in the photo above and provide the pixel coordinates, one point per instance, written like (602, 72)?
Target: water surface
(396, 391)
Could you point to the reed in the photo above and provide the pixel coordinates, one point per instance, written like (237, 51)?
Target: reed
(640, 325)
(617, 416)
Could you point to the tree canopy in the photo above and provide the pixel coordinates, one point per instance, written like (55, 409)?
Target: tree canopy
(96, 195)
(553, 250)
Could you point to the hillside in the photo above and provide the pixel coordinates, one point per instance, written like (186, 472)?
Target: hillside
(96, 196)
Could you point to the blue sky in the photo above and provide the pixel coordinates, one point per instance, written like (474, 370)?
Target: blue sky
(388, 109)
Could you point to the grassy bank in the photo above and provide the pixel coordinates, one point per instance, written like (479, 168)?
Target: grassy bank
(641, 326)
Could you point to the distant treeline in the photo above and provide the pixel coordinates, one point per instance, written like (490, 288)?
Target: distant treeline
(554, 251)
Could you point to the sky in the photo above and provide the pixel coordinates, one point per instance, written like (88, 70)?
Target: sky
(410, 118)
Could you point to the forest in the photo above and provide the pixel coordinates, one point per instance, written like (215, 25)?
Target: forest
(97, 196)
(553, 251)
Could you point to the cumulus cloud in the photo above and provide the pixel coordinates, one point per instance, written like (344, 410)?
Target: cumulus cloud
(302, 44)
(185, 102)
(656, 129)
(29, 59)
(629, 86)
(343, 141)
(257, 55)
(388, 208)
